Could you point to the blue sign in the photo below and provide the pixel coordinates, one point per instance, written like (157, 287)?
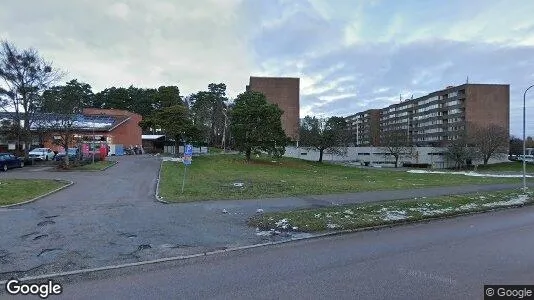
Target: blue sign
(188, 150)
(187, 160)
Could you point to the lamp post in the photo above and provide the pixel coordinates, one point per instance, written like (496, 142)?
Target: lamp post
(93, 142)
(524, 141)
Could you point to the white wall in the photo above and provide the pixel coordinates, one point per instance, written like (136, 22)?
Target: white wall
(172, 150)
(376, 156)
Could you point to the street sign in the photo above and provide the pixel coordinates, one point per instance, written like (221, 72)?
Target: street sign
(187, 160)
(188, 150)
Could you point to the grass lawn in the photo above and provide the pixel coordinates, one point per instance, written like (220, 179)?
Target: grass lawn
(383, 213)
(19, 190)
(511, 166)
(215, 150)
(97, 166)
(213, 177)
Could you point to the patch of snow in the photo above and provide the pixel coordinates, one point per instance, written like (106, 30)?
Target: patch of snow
(295, 228)
(238, 184)
(332, 226)
(393, 215)
(428, 211)
(224, 211)
(264, 233)
(284, 223)
(259, 210)
(178, 159)
(348, 212)
(302, 235)
(475, 174)
(521, 199)
(467, 207)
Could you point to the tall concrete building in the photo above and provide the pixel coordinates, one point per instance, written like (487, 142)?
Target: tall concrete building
(284, 92)
(440, 116)
(364, 128)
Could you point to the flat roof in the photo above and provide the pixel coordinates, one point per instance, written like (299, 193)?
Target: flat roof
(151, 136)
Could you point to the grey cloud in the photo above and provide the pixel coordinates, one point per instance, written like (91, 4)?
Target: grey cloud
(483, 63)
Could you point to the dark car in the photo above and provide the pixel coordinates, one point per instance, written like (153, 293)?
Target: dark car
(72, 152)
(9, 161)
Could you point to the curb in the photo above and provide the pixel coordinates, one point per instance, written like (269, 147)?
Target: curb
(156, 194)
(113, 164)
(99, 170)
(44, 195)
(235, 249)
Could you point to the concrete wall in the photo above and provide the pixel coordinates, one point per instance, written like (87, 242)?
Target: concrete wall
(196, 150)
(376, 156)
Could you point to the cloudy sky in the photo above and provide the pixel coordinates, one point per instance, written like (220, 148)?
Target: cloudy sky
(351, 55)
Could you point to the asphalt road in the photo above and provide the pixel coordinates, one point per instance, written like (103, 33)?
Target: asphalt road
(111, 217)
(448, 259)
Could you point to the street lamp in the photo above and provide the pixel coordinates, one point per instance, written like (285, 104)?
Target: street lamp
(524, 141)
(93, 142)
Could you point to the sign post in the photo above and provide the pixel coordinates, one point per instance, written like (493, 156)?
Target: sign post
(188, 157)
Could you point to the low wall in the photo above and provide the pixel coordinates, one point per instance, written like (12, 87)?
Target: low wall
(435, 157)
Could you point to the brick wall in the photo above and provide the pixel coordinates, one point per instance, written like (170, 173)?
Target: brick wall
(128, 133)
(284, 92)
(488, 104)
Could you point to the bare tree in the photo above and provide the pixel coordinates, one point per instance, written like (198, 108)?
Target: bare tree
(61, 107)
(490, 142)
(25, 75)
(396, 143)
(326, 136)
(459, 151)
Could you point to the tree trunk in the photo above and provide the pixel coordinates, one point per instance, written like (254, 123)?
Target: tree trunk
(396, 161)
(176, 145)
(321, 155)
(486, 159)
(66, 145)
(248, 153)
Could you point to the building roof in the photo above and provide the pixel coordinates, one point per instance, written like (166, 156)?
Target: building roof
(151, 136)
(82, 122)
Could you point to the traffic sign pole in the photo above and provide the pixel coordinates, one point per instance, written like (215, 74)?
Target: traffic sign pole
(183, 182)
(188, 157)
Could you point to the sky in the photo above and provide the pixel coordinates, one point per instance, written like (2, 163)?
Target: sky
(350, 55)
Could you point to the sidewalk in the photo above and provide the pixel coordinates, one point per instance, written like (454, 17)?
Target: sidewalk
(249, 206)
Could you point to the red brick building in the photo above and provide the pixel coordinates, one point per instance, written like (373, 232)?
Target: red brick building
(103, 126)
(124, 131)
(284, 92)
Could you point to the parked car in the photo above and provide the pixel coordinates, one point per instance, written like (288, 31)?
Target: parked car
(72, 152)
(41, 154)
(9, 161)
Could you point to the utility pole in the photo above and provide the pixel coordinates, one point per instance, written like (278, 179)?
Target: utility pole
(93, 142)
(524, 141)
